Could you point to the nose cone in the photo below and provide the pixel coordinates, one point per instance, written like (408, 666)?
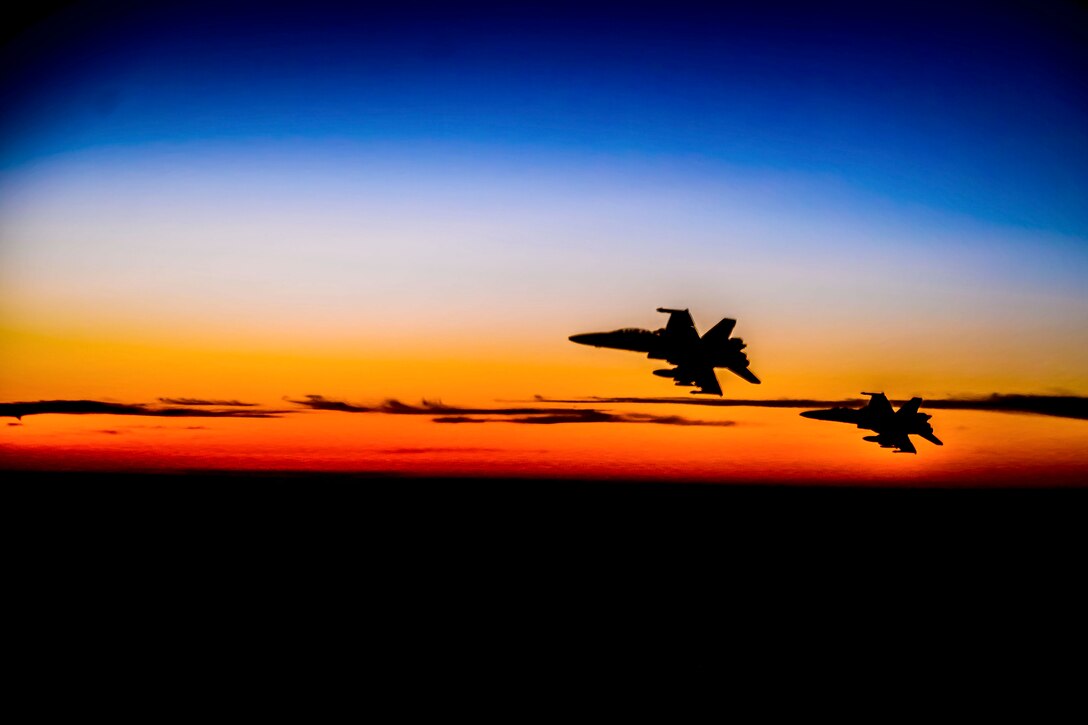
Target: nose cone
(589, 338)
(833, 414)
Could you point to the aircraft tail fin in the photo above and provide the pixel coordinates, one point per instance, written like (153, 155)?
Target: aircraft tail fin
(680, 326)
(878, 403)
(720, 332)
(909, 408)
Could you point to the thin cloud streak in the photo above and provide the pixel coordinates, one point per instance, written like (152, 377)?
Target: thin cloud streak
(428, 451)
(96, 407)
(203, 402)
(1062, 406)
(527, 416)
(592, 416)
(708, 402)
(392, 406)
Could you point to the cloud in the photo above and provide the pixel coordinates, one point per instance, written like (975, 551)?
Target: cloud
(200, 401)
(709, 402)
(550, 411)
(1063, 406)
(416, 451)
(442, 413)
(393, 406)
(96, 407)
(598, 416)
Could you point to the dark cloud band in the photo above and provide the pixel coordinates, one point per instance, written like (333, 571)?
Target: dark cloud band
(527, 416)
(96, 407)
(1063, 406)
(203, 402)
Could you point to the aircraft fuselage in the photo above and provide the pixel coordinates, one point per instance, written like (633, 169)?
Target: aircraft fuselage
(892, 428)
(866, 419)
(679, 344)
(718, 354)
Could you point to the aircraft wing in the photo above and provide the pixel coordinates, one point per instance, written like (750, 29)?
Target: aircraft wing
(706, 380)
(899, 441)
(903, 444)
(680, 327)
(932, 438)
(701, 376)
(746, 374)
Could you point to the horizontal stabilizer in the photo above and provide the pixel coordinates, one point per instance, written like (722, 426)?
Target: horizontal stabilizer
(746, 374)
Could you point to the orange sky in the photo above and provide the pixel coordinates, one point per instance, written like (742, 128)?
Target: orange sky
(763, 445)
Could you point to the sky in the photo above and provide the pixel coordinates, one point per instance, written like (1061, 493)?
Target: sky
(260, 202)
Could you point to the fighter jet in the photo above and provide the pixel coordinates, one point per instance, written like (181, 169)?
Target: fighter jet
(893, 428)
(679, 344)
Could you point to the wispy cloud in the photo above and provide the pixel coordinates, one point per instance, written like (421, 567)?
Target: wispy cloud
(546, 411)
(97, 407)
(203, 402)
(705, 402)
(418, 451)
(442, 413)
(1064, 406)
(393, 406)
(589, 416)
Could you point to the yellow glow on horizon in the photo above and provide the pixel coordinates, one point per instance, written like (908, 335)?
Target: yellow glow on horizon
(130, 369)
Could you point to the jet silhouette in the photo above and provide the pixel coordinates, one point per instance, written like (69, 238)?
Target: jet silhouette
(893, 428)
(679, 344)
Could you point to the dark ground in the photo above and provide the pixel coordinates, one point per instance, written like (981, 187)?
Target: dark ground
(300, 536)
(212, 570)
(314, 506)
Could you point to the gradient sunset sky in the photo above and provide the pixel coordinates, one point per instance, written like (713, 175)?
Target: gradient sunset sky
(259, 202)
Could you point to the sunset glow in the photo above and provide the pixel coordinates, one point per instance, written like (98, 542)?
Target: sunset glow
(423, 205)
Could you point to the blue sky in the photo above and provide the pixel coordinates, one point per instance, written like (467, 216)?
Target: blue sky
(975, 110)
